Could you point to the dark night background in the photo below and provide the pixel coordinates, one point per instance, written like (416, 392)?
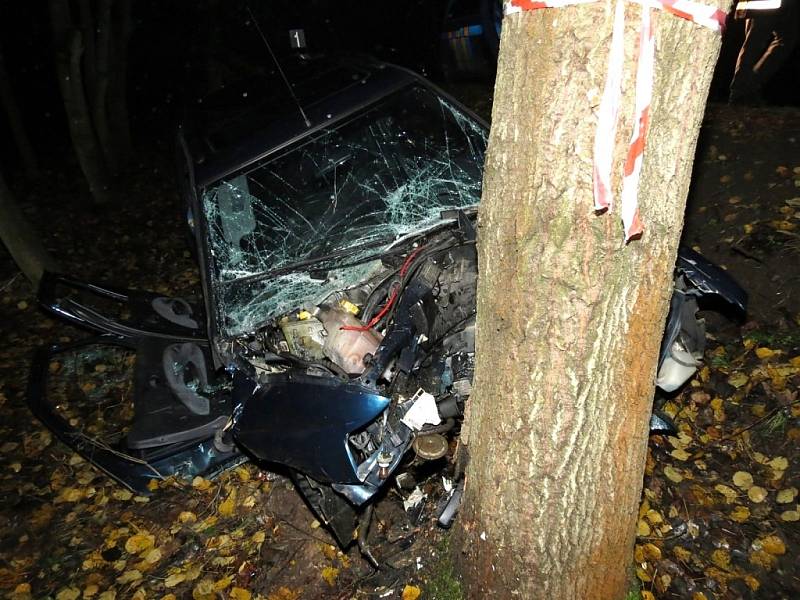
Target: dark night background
(174, 44)
(66, 529)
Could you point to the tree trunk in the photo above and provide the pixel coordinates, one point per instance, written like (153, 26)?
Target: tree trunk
(22, 241)
(11, 109)
(69, 49)
(570, 318)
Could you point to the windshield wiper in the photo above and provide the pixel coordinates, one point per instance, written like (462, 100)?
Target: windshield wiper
(454, 217)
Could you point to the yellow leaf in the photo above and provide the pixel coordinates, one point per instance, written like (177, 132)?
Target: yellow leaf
(771, 544)
(187, 516)
(757, 494)
(168, 597)
(764, 353)
(740, 514)
(779, 463)
(243, 474)
(642, 575)
(129, 576)
(122, 494)
(259, 537)
(743, 480)
(737, 380)
(699, 595)
(654, 517)
(411, 592)
(721, 558)
(643, 529)
(787, 495)
(223, 583)
(204, 590)
(329, 574)
(227, 507)
(651, 552)
(751, 582)
(174, 579)
(284, 593)
(70, 593)
(238, 593)
(729, 493)
(69, 494)
(152, 485)
(90, 590)
(763, 559)
(153, 556)
(680, 454)
(199, 483)
(673, 474)
(646, 595)
(681, 553)
(139, 543)
(795, 362)
(790, 516)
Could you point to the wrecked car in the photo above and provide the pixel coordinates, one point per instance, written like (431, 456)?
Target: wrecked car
(336, 244)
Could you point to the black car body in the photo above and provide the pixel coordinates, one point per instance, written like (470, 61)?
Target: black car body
(339, 271)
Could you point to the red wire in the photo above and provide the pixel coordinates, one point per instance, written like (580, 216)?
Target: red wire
(392, 297)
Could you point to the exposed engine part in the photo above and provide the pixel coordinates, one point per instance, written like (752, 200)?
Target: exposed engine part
(348, 342)
(304, 337)
(431, 446)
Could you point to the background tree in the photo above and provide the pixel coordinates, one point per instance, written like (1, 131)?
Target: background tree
(569, 317)
(21, 240)
(91, 47)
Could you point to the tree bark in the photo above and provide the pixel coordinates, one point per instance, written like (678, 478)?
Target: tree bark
(21, 240)
(69, 49)
(11, 108)
(569, 317)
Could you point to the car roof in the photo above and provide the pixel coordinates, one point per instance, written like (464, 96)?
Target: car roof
(245, 122)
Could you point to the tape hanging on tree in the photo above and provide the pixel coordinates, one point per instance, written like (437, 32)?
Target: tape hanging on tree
(704, 15)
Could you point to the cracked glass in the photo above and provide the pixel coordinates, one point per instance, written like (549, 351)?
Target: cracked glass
(288, 231)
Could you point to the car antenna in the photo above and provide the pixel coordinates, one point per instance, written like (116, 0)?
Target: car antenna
(277, 64)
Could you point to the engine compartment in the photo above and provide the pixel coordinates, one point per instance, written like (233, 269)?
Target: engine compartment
(405, 334)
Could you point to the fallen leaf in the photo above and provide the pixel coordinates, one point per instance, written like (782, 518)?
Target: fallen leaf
(187, 516)
(204, 590)
(790, 515)
(411, 592)
(643, 529)
(751, 582)
(284, 593)
(129, 576)
(786, 496)
(174, 579)
(763, 559)
(238, 593)
(740, 514)
(329, 574)
(757, 494)
(680, 454)
(223, 583)
(729, 493)
(764, 353)
(673, 474)
(199, 483)
(139, 543)
(779, 463)
(771, 544)
(738, 379)
(721, 558)
(227, 507)
(743, 480)
(122, 494)
(68, 593)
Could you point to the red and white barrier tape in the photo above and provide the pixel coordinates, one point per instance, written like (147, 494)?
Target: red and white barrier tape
(707, 16)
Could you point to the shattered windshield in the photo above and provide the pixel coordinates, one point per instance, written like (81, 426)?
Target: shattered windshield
(349, 191)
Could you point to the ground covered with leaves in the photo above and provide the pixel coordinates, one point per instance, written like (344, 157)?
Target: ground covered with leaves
(720, 510)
